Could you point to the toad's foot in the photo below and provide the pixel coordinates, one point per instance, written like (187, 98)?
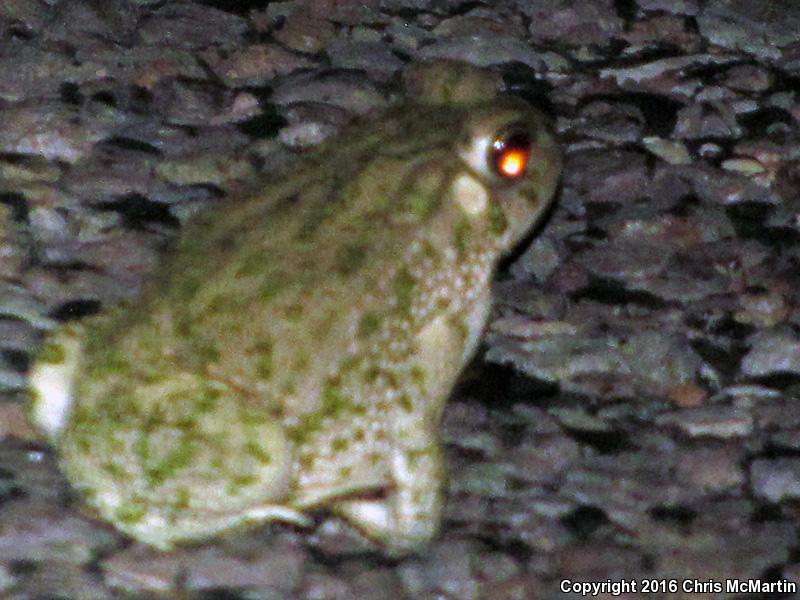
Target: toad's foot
(408, 517)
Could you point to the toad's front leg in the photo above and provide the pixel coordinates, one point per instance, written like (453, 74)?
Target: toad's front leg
(408, 515)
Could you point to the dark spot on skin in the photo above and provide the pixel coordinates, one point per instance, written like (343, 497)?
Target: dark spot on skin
(406, 403)
(350, 258)
(370, 323)
(258, 452)
(498, 223)
(300, 362)
(461, 237)
(289, 200)
(273, 283)
(244, 480)
(52, 353)
(294, 312)
(371, 374)
(131, 512)
(319, 212)
(422, 205)
(264, 362)
(404, 285)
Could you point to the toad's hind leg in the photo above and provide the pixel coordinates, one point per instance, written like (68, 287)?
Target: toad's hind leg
(183, 464)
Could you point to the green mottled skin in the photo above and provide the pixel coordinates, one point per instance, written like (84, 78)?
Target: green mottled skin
(297, 348)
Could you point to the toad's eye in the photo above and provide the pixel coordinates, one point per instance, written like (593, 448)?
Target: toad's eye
(510, 152)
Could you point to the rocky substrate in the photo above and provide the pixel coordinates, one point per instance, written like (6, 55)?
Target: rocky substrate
(635, 411)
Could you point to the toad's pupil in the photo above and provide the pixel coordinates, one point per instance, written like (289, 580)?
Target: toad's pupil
(511, 153)
(512, 163)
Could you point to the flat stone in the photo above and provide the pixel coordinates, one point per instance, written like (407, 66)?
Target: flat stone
(43, 531)
(772, 351)
(277, 565)
(351, 92)
(714, 421)
(776, 479)
(140, 569)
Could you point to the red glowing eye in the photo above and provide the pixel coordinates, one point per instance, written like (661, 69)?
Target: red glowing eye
(512, 163)
(511, 153)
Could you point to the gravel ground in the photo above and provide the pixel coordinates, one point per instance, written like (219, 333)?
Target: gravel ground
(633, 415)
